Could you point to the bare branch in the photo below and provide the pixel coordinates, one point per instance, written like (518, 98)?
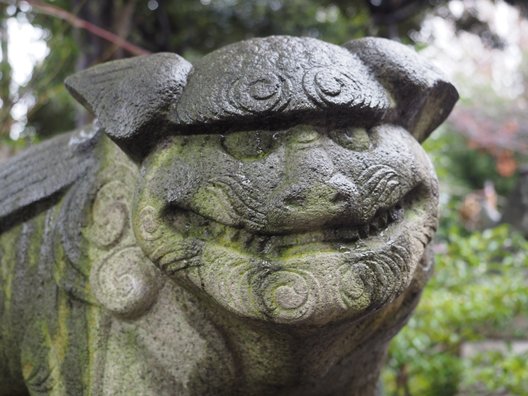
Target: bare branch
(79, 23)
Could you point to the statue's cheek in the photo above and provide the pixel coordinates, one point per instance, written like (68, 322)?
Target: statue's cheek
(396, 147)
(153, 214)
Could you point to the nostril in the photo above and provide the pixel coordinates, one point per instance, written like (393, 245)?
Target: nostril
(344, 190)
(339, 197)
(295, 198)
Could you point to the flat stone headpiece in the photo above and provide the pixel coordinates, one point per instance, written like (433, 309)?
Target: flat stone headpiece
(280, 78)
(265, 83)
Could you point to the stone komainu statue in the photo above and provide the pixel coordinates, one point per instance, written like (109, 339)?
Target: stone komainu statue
(254, 224)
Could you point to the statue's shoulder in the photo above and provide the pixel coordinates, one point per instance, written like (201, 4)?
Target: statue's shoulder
(45, 170)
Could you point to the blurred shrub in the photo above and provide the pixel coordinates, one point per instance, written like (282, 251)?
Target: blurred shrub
(500, 373)
(461, 168)
(480, 286)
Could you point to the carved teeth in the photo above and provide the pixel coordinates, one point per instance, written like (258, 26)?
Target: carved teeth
(296, 239)
(350, 235)
(396, 213)
(364, 231)
(266, 244)
(384, 218)
(379, 222)
(343, 235)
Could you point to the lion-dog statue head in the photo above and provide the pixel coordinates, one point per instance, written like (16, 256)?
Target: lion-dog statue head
(282, 178)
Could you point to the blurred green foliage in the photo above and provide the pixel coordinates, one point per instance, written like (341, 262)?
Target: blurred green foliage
(462, 169)
(502, 373)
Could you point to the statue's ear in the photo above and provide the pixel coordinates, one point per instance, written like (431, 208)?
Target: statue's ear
(131, 97)
(422, 97)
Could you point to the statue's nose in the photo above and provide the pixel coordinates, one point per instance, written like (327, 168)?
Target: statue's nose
(329, 194)
(314, 193)
(311, 204)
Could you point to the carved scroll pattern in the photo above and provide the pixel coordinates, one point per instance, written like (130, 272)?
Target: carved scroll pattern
(125, 282)
(110, 214)
(315, 289)
(122, 278)
(290, 294)
(259, 93)
(332, 86)
(323, 87)
(253, 288)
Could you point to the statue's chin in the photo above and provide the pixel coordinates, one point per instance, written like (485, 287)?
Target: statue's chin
(316, 281)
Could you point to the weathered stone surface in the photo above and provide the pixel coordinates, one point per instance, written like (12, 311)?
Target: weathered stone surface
(264, 231)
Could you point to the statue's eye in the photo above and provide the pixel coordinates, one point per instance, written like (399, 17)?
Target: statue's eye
(357, 139)
(248, 144)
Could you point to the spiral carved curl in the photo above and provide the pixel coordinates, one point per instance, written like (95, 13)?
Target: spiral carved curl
(289, 294)
(126, 283)
(259, 93)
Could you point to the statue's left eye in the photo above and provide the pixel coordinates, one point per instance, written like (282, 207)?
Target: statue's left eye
(356, 139)
(248, 144)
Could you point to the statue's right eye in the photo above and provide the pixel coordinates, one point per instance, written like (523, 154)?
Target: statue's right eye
(356, 139)
(248, 144)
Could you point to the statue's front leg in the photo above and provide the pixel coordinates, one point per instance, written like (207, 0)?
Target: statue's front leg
(171, 349)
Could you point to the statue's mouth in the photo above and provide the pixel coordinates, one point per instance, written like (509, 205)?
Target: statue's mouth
(380, 222)
(348, 236)
(343, 270)
(404, 215)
